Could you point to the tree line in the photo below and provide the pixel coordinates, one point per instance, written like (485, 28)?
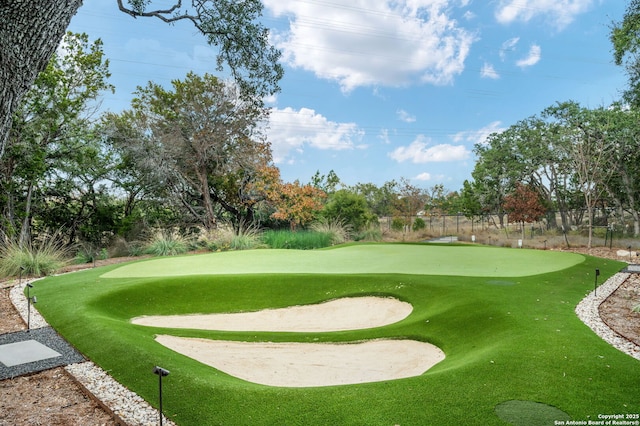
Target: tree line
(196, 154)
(188, 156)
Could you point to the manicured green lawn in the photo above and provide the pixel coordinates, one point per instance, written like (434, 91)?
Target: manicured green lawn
(506, 335)
(361, 259)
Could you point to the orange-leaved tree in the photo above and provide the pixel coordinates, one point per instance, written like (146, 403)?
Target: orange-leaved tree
(294, 202)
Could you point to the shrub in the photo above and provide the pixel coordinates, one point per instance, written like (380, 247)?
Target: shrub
(397, 224)
(88, 255)
(38, 258)
(166, 243)
(418, 224)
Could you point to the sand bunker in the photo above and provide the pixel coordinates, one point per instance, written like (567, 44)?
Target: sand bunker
(351, 313)
(305, 364)
(310, 364)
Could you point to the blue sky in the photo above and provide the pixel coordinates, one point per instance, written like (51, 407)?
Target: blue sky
(381, 90)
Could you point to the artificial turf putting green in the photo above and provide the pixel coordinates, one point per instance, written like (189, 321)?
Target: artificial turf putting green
(361, 259)
(516, 342)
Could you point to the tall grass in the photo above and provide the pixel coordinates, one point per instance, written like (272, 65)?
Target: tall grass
(34, 258)
(166, 242)
(371, 233)
(337, 230)
(300, 240)
(225, 237)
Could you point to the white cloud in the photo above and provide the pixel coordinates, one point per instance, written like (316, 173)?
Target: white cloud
(420, 152)
(532, 58)
(508, 46)
(362, 43)
(290, 130)
(559, 13)
(423, 176)
(479, 136)
(405, 116)
(488, 71)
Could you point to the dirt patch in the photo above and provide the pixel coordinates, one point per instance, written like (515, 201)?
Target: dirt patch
(617, 310)
(48, 398)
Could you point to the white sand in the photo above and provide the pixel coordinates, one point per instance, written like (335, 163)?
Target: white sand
(305, 364)
(351, 313)
(310, 364)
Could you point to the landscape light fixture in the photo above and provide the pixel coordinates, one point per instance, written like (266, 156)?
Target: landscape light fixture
(161, 372)
(629, 250)
(595, 286)
(29, 301)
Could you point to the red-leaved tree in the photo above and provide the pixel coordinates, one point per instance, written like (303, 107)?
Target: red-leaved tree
(524, 205)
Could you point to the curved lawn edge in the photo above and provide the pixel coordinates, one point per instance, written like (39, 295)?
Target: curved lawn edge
(413, 259)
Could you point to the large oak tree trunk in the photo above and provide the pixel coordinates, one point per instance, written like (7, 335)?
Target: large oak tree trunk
(30, 32)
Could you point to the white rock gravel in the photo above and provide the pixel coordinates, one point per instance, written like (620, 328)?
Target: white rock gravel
(136, 412)
(587, 311)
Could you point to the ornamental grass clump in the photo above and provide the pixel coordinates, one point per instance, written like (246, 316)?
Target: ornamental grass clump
(225, 237)
(246, 238)
(166, 242)
(336, 229)
(42, 257)
(371, 233)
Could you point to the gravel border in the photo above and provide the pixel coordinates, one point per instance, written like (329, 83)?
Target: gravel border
(588, 312)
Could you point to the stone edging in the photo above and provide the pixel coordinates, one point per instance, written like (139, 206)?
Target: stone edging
(587, 311)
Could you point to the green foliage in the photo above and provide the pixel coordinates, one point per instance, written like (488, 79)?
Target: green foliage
(418, 224)
(52, 165)
(298, 240)
(43, 257)
(625, 38)
(349, 208)
(398, 224)
(335, 228)
(207, 177)
(371, 233)
(166, 242)
(235, 29)
(88, 254)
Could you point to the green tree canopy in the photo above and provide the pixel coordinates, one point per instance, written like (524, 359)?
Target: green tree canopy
(201, 142)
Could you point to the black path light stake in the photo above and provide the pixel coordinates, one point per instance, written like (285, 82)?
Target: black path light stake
(30, 300)
(161, 372)
(595, 286)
